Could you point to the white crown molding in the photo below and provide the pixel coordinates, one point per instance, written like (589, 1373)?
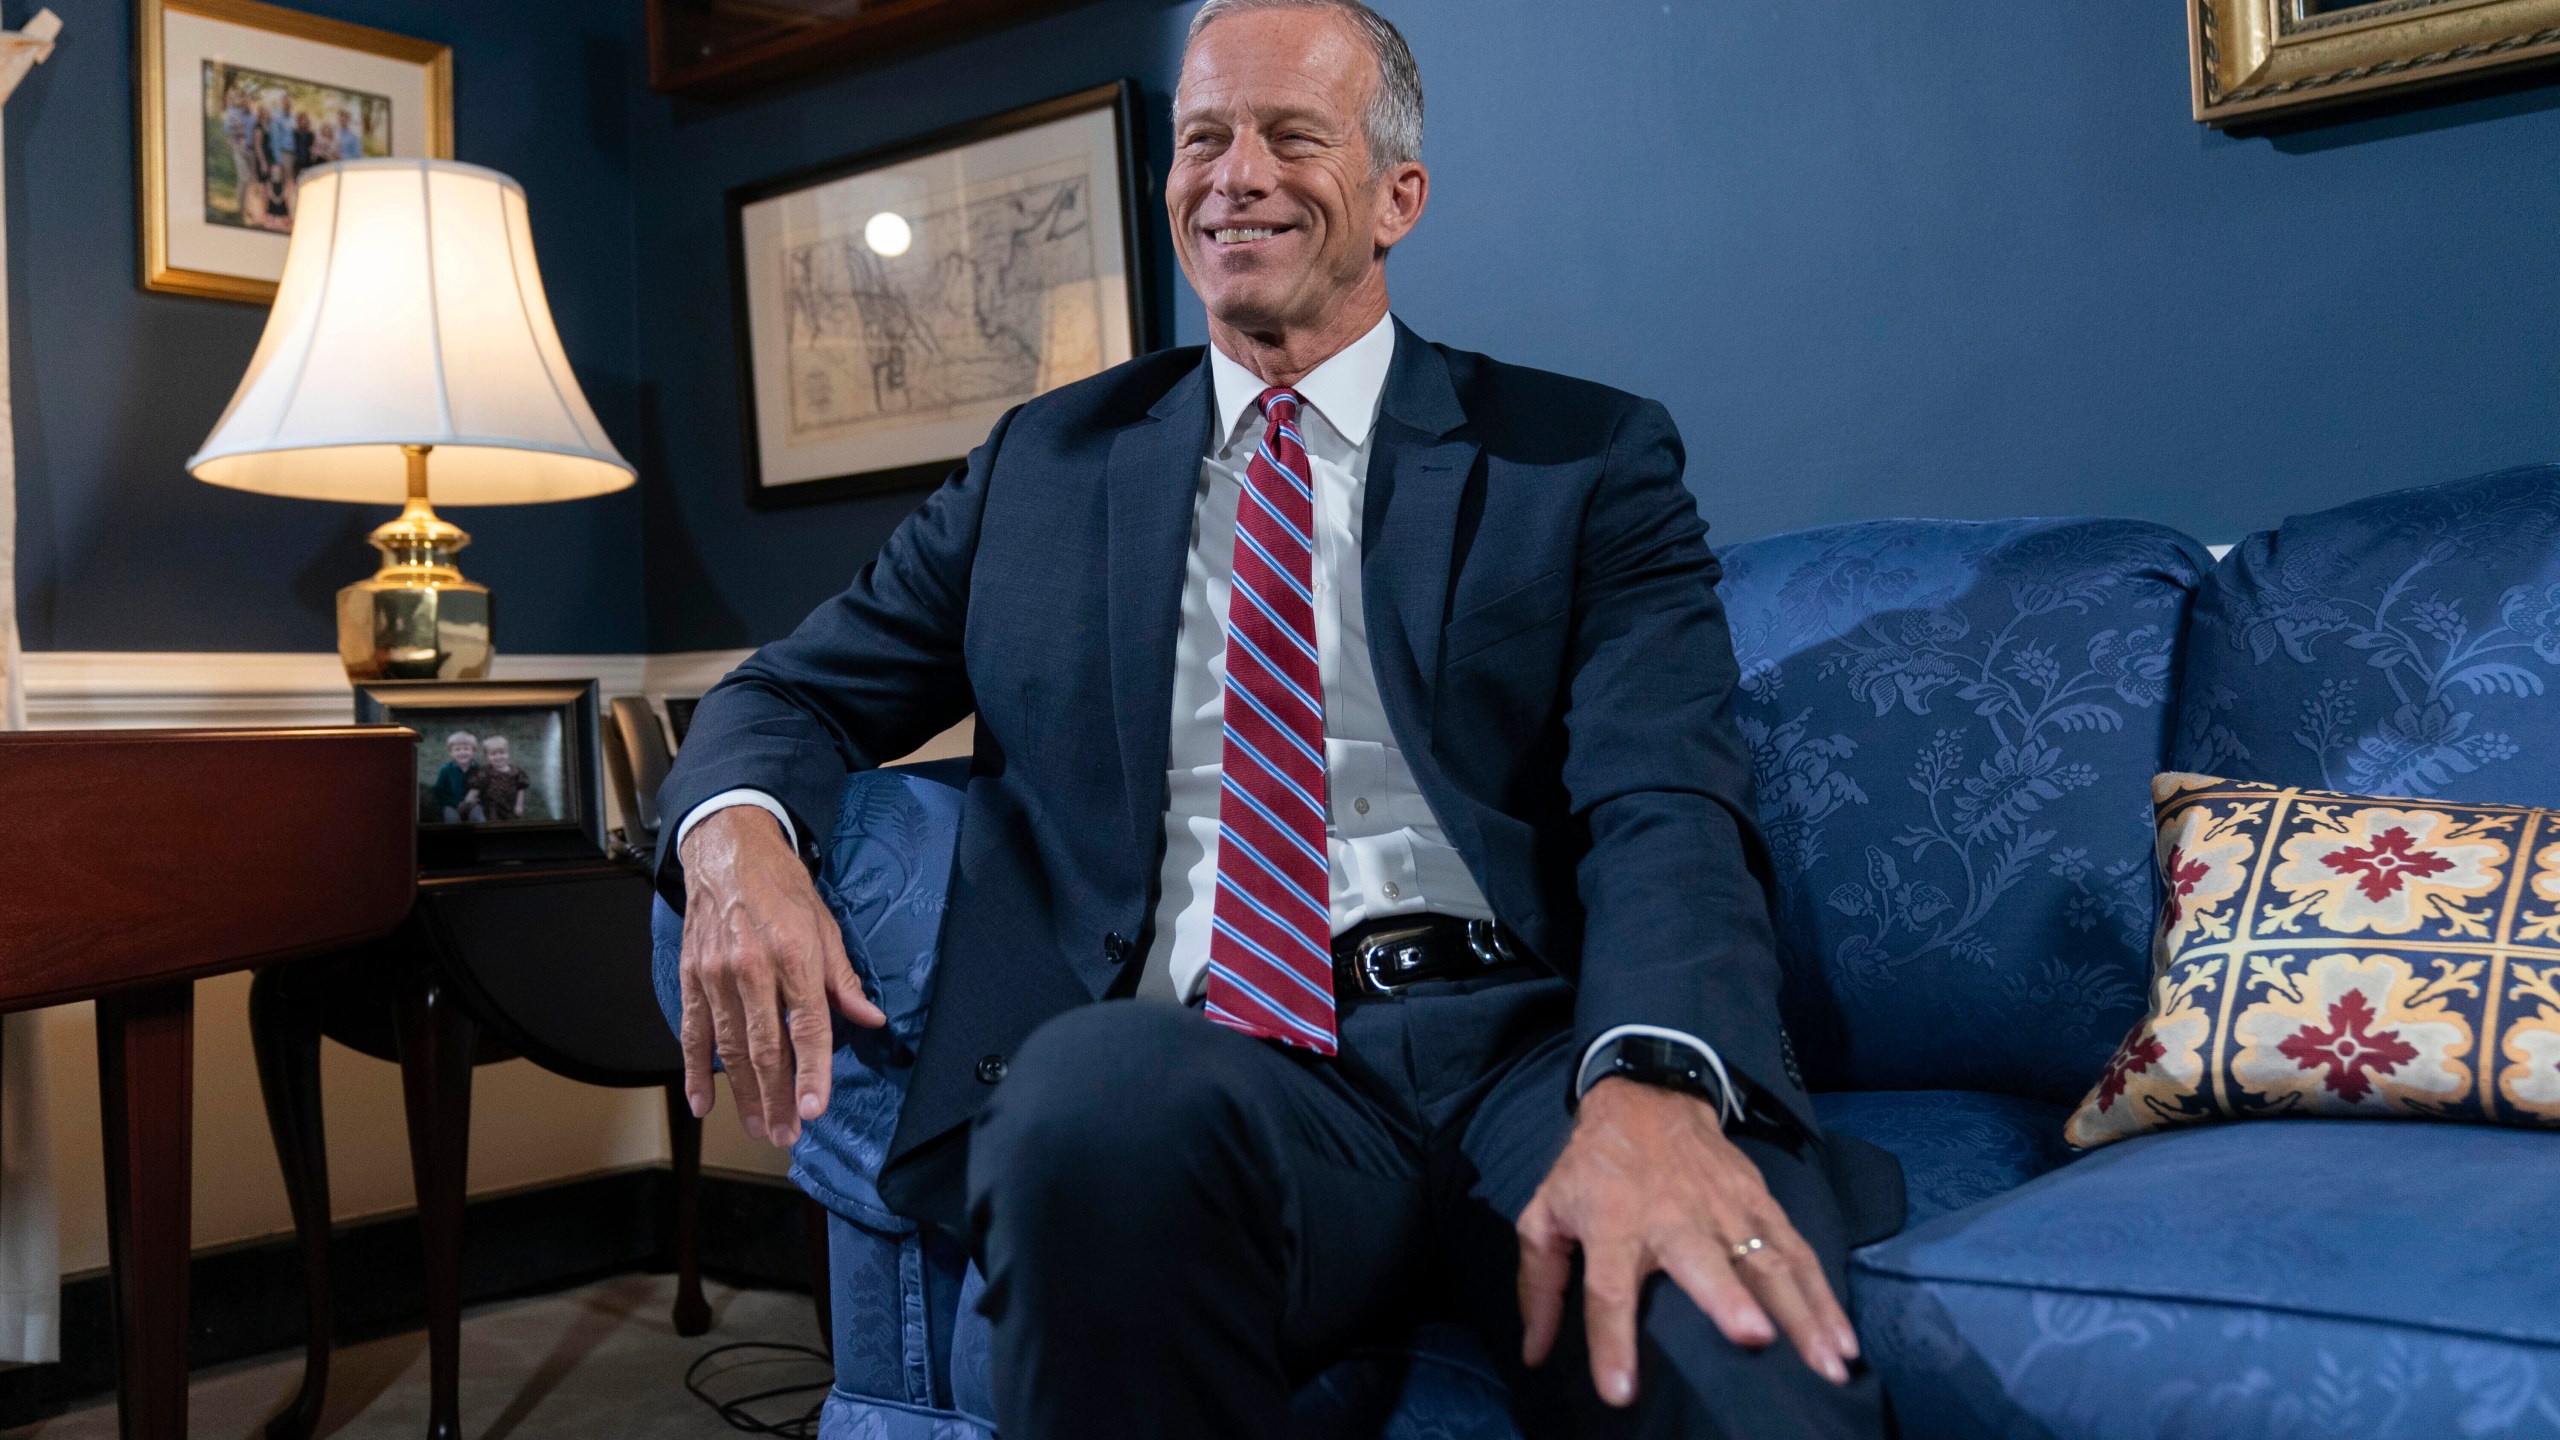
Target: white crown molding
(121, 689)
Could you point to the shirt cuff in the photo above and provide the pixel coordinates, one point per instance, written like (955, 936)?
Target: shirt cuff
(1584, 1079)
(728, 799)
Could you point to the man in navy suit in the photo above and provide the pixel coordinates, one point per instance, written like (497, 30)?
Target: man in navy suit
(1352, 721)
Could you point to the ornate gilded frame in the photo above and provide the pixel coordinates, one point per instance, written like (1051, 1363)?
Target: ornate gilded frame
(149, 87)
(2253, 60)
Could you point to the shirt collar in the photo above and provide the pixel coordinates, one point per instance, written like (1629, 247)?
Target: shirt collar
(1344, 389)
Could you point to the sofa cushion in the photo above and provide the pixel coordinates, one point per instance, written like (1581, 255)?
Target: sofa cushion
(1986, 1362)
(2308, 1278)
(1956, 1146)
(2326, 954)
(2401, 645)
(1955, 724)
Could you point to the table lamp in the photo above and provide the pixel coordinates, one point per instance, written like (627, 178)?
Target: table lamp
(410, 328)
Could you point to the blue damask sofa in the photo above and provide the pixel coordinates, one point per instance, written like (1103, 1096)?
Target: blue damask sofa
(1955, 725)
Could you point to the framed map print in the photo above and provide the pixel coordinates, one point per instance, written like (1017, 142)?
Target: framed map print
(236, 101)
(893, 304)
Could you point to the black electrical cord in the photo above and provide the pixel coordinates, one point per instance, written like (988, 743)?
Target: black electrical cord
(734, 1411)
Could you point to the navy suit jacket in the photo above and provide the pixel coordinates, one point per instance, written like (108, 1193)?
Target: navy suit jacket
(1548, 642)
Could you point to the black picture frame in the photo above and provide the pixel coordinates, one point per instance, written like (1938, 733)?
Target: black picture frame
(1136, 190)
(680, 716)
(415, 704)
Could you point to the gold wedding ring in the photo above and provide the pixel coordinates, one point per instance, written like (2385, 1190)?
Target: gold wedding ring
(1748, 1248)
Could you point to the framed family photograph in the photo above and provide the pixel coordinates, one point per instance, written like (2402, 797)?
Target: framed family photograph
(890, 305)
(236, 100)
(506, 769)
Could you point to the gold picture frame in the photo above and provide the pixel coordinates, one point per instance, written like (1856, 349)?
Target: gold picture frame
(191, 244)
(2254, 60)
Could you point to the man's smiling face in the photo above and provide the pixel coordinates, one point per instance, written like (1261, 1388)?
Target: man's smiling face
(1278, 214)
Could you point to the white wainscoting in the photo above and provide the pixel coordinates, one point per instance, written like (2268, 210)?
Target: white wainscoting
(117, 689)
(123, 689)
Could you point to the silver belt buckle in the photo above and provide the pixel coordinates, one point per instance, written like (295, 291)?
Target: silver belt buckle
(1385, 959)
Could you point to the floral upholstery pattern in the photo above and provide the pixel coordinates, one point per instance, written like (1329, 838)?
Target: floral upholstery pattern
(2311, 1280)
(886, 866)
(2325, 954)
(1957, 1147)
(2402, 645)
(884, 870)
(2029, 1363)
(1954, 724)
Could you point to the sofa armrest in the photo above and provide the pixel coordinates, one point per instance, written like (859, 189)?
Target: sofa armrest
(885, 868)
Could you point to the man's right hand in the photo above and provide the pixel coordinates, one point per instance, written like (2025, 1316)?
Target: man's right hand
(763, 959)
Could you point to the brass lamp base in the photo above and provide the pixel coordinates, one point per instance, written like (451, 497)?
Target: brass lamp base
(417, 618)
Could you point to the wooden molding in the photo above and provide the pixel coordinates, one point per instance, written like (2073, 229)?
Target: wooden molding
(873, 32)
(122, 689)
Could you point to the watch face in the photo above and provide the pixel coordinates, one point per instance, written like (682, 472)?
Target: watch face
(1667, 1064)
(1652, 1052)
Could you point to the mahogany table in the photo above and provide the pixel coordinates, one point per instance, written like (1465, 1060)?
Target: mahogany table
(548, 960)
(139, 861)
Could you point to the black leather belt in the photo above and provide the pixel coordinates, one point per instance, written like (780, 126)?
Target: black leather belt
(1380, 957)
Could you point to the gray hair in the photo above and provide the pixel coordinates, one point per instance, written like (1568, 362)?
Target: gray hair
(1394, 121)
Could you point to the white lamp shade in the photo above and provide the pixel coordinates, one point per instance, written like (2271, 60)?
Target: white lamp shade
(410, 313)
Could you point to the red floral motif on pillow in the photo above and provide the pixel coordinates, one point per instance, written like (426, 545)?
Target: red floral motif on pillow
(2380, 867)
(2140, 1051)
(2349, 1047)
(2182, 874)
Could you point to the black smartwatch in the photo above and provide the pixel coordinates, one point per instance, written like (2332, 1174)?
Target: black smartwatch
(1654, 1060)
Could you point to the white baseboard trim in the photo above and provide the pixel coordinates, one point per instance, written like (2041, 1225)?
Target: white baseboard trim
(122, 689)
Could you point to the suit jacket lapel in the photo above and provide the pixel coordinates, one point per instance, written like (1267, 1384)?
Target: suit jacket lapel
(1151, 482)
(1408, 531)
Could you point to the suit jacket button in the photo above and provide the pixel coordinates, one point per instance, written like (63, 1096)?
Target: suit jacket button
(1115, 949)
(991, 1070)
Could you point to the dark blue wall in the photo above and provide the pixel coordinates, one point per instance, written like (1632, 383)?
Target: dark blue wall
(1878, 259)
(117, 548)
(1965, 260)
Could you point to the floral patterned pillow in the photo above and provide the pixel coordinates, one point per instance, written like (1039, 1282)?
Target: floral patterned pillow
(2323, 954)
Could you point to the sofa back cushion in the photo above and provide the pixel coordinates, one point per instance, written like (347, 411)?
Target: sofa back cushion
(1955, 725)
(2401, 645)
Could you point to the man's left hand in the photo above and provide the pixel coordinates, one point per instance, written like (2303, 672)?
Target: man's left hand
(1648, 1181)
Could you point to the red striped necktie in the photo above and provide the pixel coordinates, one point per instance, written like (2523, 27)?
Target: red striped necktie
(1270, 952)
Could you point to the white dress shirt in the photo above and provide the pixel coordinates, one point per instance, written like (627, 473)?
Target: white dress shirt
(1388, 853)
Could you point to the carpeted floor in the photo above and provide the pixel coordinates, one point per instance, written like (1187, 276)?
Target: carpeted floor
(600, 1361)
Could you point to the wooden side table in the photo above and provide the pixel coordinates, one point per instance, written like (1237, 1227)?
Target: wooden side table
(547, 961)
(140, 861)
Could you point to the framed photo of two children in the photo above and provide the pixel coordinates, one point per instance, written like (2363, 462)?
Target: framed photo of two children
(234, 101)
(506, 768)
